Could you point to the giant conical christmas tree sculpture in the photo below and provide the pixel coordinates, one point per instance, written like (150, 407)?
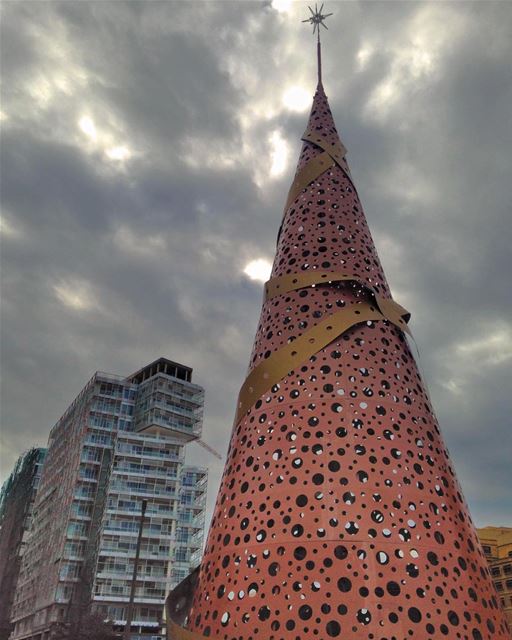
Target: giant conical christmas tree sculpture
(339, 514)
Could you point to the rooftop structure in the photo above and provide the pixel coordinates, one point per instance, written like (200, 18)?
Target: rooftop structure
(339, 513)
(121, 441)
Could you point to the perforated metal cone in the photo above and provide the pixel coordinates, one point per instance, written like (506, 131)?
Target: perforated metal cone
(339, 514)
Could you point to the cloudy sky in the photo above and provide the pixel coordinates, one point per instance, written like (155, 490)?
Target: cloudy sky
(146, 153)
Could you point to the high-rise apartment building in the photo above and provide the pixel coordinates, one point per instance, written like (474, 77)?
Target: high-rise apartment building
(497, 547)
(120, 442)
(16, 504)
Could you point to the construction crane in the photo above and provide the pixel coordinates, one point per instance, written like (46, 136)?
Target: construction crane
(208, 448)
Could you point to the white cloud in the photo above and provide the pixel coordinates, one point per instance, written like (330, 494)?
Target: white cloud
(283, 6)
(105, 139)
(297, 98)
(134, 242)
(493, 349)
(87, 127)
(8, 229)
(416, 54)
(211, 153)
(279, 154)
(118, 153)
(258, 269)
(75, 294)
(404, 181)
(465, 360)
(364, 55)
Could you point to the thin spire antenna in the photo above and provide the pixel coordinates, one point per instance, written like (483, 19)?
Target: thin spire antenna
(316, 19)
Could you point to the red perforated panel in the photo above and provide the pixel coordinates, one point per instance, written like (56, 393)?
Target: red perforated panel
(339, 514)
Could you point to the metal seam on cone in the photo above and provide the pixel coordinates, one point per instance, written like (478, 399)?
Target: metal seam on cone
(309, 172)
(284, 360)
(313, 169)
(177, 609)
(336, 151)
(292, 282)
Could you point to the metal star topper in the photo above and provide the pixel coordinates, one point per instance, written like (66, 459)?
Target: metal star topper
(317, 18)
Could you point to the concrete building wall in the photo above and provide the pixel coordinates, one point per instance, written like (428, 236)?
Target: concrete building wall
(497, 547)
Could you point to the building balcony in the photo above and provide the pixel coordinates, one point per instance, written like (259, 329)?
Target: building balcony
(85, 498)
(142, 473)
(127, 577)
(71, 556)
(191, 522)
(180, 563)
(199, 473)
(144, 555)
(167, 513)
(76, 537)
(154, 455)
(146, 533)
(159, 425)
(158, 600)
(90, 460)
(194, 414)
(104, 376)
(145, 636)
(130, 491)
(91, 440)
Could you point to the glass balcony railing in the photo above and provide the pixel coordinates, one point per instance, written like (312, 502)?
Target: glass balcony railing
(117, 487)
(146, 473)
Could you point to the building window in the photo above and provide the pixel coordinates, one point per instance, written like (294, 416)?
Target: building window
(487, 550)
(507, 569)
(509, 584)
(499, 586)
(495, 571)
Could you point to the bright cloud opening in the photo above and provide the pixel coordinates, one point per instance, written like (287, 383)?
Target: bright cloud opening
(75, 295)
(7, 229)
(494, 349)
(282, 5)
(104, 141)
(259, 269)
(415, 56)
(88, 127)
(279, 154)
(363, 56)
(118, 153)
(296, 99)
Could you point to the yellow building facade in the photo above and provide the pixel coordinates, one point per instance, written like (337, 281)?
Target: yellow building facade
(497, 546)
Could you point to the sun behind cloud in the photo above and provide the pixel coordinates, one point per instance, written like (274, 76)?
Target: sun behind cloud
(87, 126)
(297, 98)
(258, 269)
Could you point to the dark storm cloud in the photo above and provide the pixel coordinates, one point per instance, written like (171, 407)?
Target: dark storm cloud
(138, 141)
